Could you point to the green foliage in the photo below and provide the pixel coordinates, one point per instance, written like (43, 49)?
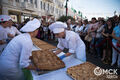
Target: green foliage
(65, 18)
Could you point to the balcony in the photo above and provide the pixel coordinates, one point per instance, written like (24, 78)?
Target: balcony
(28, 6)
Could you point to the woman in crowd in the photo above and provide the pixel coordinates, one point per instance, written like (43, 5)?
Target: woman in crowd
(107, 33)
(92, 33)
(79, 27)
(99, 38)
(84, 32)
(116, 43)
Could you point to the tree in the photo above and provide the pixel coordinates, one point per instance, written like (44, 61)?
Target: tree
(65, 18)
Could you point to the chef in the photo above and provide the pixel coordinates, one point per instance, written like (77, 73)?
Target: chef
(4, 23)
(12, 31)
(68, 39)
(15, 56)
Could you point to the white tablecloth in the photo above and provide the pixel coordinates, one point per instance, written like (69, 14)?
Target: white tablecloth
(58, 74)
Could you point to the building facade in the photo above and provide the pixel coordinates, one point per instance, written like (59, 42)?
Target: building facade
(19, 10)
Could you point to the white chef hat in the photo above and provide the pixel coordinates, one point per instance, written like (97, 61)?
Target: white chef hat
(58, 27)
(31, 26)
(5, 18)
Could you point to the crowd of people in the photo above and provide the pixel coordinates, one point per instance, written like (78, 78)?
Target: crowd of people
(16, 46)
(98, 37)
(97, 34)
(102, 37)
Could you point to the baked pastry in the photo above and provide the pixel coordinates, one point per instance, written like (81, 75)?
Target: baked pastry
(38, 41)
(46, 47)
(46, 60)
(43, 45)
(84, 71)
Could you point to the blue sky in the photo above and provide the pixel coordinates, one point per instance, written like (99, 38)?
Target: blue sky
(96, 8)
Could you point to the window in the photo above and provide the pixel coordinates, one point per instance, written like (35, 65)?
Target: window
(36, 3)
(44, 5)
(48, 6)
(41, 4)
(31, 1)
(53, 9)
(56, 11)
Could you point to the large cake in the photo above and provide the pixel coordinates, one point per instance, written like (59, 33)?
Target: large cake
(41, 44)
(46, 60)
(84, 71)
(38, 41)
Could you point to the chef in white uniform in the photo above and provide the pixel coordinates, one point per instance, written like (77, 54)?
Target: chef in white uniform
(15, 56)
(12, 31)
(4, 23)
(68, 39)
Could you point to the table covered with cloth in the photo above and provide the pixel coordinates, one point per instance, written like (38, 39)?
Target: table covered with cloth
(59, 74)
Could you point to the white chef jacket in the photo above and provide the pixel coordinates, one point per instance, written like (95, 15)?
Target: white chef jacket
(74, 43)
(13, 30)
(15, 57)
(3, 36)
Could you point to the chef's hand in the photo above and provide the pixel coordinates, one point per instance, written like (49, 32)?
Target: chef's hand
(2, 42)
(10, 35)
(63, 56)
(8, 40)
(58, 51)
(31, 67)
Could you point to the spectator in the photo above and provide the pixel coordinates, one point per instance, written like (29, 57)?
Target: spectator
(79, 27)
(107, 32)
(72, 25)
(99, 38)
(116, 43)
(85, 31)
(45, 29)
(92, 32)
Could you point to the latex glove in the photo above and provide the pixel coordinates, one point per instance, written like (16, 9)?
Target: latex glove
(63, 56)
(7, 40)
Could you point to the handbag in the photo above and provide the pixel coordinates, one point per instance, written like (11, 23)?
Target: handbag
(88, 38)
